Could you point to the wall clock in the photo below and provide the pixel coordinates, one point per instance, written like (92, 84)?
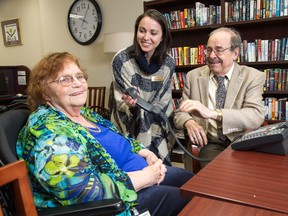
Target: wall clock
(84, 21)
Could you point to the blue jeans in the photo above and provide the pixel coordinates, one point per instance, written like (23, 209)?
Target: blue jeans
(165, 199)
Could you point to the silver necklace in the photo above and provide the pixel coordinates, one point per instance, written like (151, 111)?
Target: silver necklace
(92, 129)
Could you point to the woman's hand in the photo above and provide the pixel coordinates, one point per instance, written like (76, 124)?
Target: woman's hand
(129, 101)
(149, 156)
(149, 176)
(162, 173)
(155, 172)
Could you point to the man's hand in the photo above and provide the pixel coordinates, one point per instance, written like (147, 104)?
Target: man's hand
(198, 109)
(196, 133)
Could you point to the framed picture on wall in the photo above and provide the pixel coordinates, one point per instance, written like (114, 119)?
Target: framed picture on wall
(11, 32)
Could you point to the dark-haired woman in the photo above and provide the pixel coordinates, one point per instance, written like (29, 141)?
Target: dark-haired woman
(147, 66)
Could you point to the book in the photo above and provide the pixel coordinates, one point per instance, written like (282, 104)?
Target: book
(277, 8)
(268, 104)
(271, 80)
(265, 84)
(274, 109)
(241, 52)
(286, 113)
(245, 48)
(176, 81)
(173, 17)
(272, 52)
(286, 51)
(264, 9)
(258, 9)
(283, 46)
(199, 13)
(181, 83)
(284, 78)
(276, 79)
(281, 108)
(186, 54)
(252, 17)
(285, 13)
(259, 53)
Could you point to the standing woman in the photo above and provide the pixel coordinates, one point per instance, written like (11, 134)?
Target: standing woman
(146, 66)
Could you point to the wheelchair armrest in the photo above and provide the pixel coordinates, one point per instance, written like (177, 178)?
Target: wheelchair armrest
(98, 207)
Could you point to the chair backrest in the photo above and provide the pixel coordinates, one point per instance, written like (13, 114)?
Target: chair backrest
(16, 173)
(11, 123)
(111, 99)
(96, 98)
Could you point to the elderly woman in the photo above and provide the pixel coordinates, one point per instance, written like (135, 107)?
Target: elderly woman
(74, 155)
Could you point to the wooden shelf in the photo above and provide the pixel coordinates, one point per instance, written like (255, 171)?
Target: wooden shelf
(283, 93)
(266, 29)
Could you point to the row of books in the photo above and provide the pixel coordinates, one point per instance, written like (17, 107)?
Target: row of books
(178, 80)
(242, 10)
(264, 50)
(257, 51)
(237, 10)
(276, 79)
(190, 17)
(276, 109)
(188, 55)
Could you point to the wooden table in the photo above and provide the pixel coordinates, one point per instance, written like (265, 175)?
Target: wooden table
(243, 177)
(202, 206)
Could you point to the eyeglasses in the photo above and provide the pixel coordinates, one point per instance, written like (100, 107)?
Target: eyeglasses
(67, 80)
(217, 51)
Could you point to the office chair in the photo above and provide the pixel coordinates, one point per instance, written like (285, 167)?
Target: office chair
(11, 123)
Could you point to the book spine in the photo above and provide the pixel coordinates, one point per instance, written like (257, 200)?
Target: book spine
(283, 45)
(176, 81)
(274, 109)
(258, 9)
(268, 79)
(263, 9)
(251, 10)
(181, 83)
(285, 8)
(276, 78)
(286, 113)
(271, 80)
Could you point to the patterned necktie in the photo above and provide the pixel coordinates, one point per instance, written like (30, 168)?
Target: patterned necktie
(220, 100)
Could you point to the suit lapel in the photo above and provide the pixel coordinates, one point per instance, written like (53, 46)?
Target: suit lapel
(203, 82)
(234, 87)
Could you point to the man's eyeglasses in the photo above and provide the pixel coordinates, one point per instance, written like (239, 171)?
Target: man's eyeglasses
(217, 51)
(67, 80)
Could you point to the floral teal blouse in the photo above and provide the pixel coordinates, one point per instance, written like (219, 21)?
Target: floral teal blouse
(67, 165)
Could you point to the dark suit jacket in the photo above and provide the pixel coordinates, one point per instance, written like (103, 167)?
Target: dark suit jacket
(243, 107)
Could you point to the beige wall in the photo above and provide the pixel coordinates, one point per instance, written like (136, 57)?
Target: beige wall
(44, 29)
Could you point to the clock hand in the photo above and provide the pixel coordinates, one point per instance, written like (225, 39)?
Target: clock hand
(85, 17)
(83, 20)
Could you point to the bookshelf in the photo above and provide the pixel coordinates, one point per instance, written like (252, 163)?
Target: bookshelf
(266, 25)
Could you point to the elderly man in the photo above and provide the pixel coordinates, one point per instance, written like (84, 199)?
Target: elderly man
(221, 99)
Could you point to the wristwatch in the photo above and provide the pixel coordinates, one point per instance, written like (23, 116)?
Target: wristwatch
(219, 115)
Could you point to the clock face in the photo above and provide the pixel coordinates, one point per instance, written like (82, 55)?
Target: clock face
(84, 21)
